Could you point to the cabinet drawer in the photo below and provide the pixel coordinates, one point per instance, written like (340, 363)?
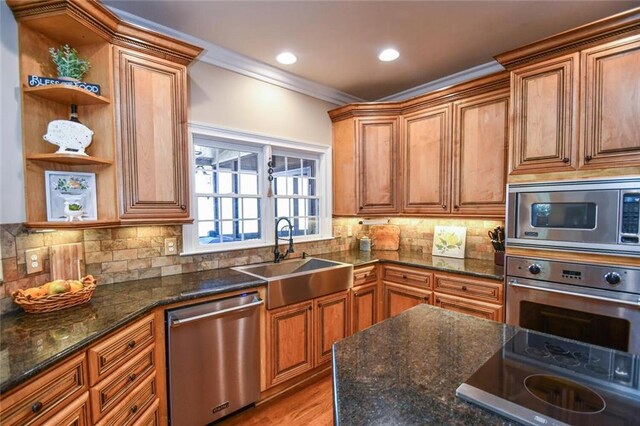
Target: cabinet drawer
(132, 407)
(406, 275)
(75, 414)
(114, 388)
(36, 402)
(470, 307)
(485, 290)
(151, 417)
(365, 275)
(107, 356)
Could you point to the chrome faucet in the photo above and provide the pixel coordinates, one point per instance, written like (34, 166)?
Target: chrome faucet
(277, 256)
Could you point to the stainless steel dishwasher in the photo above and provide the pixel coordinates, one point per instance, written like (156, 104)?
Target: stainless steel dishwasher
(213, 354)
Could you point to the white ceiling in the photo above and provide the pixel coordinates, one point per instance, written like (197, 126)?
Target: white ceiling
(337, 42)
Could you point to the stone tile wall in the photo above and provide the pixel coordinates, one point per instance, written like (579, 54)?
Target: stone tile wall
(130, 253)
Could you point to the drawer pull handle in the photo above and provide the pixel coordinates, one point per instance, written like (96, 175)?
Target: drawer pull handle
(131, 344)
(588, 158)
(425, 299)
(134, 409)
(404, 276)
(566, 160)
(132, 376)
(444, 206)
(464, 288)
(355, 293)
(183, 207)
(37, 406)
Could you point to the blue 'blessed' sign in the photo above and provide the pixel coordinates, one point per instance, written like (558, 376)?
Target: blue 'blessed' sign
(36, 80)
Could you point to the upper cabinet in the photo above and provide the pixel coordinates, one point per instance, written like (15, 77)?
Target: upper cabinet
(136, 165)
(151, 95)
(575, 102)
(440, 154)
(544, 130)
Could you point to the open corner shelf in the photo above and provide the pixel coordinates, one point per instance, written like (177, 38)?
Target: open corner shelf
(70, 159)
(67, 95)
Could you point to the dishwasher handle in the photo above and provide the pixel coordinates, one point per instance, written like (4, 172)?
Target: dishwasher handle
(177, 322)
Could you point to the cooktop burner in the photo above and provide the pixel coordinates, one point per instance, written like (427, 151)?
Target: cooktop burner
(539, 379)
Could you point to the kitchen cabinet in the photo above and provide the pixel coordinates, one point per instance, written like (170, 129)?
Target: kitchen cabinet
(152, 99)
(544, 98)
(426, 155)
(610, 76)
(480, 152)
(74, 414)
(289, 342)
(377, 148)
(483, 298)
(48, 394)
(138, 150)
(331, 320)
(404, 287)
(364, 297)
(450, 158)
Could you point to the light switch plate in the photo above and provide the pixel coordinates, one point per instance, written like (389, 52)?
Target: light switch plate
(170, 246)
(33, 258)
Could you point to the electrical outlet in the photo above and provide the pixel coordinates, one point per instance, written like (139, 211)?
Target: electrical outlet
(349, 231)
(34, 261)
(170, 246)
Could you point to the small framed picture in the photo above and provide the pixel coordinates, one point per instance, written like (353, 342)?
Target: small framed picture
(71, 196)
(449, 241)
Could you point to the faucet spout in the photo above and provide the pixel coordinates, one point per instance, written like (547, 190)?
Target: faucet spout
(277, 256)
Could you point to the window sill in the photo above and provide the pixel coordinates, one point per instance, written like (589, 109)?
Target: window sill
(258, 245)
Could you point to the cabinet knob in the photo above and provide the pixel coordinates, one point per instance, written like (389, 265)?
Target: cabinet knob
(309, 308)
(444, 206)
(37, 406)
(464, 288)
(134, 409)
(437, 300)
(404, 277)
(355, 293)
(566, 160)
(183, 207)
(456, 207)
(425, 299)
(131, 344)
(132, 376)
(588, 158)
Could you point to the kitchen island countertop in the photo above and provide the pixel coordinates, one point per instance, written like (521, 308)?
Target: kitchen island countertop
(405, 370)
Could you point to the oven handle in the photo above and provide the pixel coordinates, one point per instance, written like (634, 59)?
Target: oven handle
(514, 283)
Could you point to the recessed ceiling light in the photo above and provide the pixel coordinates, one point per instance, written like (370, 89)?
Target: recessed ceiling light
(287, 58)
(388, 55)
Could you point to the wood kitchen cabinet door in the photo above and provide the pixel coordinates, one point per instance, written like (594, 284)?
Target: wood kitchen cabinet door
(480, 146)
(151, 100)
(289, 342)
(331, 318)
(377, 165)
(426, 154)
(364, 306)
(544, 103)
(398, 298)
(611, 123)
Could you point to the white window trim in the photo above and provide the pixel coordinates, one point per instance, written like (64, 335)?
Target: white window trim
(190, 241)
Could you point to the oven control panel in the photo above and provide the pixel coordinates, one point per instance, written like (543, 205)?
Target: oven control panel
(630, 218)
(612, 277)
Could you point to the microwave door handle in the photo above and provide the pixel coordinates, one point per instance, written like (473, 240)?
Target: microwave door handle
(514, 283)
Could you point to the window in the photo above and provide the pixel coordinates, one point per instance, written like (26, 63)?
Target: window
(235, 205)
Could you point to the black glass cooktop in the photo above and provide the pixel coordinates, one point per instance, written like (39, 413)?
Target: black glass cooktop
(539, 379)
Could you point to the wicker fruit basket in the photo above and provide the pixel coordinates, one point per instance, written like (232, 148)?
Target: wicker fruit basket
(55, 302)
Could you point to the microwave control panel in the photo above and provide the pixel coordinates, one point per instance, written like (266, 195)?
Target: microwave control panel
(630, 226)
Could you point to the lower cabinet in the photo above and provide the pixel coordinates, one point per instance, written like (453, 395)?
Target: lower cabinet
(397, 298)
(289, 342)
(471, 307)
(74, 414)
(364, 306)
(300, 336)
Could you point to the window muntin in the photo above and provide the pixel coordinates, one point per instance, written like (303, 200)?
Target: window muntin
(295, 193)
(228, 195)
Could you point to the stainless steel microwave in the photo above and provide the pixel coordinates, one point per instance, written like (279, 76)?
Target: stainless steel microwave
(598, 216)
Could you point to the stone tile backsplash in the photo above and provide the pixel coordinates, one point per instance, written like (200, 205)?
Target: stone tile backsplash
(130, 253)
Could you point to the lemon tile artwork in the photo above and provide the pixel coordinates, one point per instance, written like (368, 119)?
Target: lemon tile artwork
(449, 241)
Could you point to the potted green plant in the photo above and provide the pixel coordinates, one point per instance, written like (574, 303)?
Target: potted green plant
(68, 63)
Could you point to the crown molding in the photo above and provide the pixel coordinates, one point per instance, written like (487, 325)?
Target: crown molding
(459, 77)
(241, 64)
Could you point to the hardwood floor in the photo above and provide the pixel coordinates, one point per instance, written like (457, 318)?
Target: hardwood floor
(311, 405)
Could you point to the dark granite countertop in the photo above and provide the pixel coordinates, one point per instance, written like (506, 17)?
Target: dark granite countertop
(30, 343)
(472, 267)
(405, 370)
